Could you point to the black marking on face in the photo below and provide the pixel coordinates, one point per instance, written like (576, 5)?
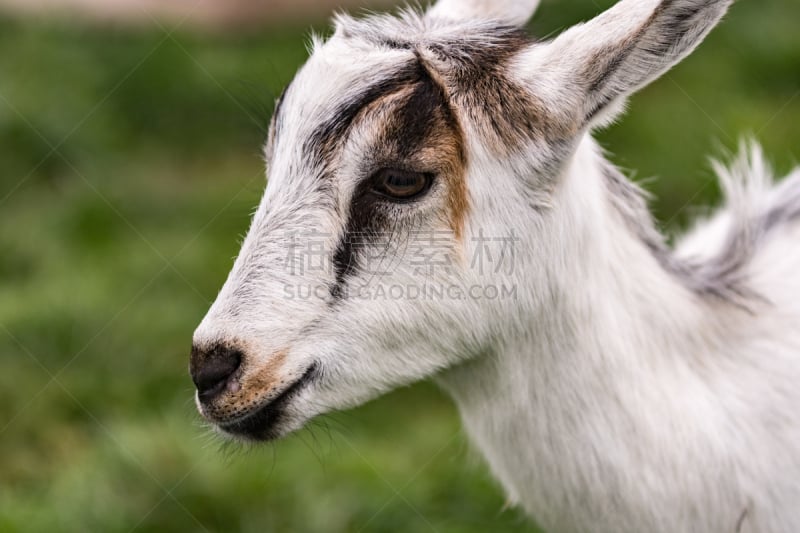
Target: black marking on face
(424, 114)
(326, 138)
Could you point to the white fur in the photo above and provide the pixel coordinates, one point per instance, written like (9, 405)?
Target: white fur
(512, 12)
(627, 403)
(609, 395)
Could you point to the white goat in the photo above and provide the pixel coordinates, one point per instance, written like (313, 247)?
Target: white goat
(613, 384)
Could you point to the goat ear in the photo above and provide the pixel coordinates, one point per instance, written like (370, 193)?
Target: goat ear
(508, 12)
(592, 67)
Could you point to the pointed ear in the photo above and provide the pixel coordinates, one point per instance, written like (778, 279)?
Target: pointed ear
(507, 12)
(585, 74)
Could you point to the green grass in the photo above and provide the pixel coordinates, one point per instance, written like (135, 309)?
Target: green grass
(112, 248)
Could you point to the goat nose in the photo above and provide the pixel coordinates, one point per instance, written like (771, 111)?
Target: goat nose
(211, 369)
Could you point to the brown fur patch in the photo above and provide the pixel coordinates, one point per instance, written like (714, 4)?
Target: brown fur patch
(420, 130)
(255, 388)
(451, 152)
(266, 378)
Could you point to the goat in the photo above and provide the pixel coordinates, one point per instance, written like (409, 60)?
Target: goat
(613, 383)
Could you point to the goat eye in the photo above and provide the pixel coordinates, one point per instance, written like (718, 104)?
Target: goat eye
(401, 184)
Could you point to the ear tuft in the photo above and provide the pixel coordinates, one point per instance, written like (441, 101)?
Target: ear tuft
(507, 12)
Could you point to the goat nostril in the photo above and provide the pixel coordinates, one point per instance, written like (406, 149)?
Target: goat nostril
(211, 369)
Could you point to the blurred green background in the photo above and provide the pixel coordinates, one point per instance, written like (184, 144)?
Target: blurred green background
(129, 166)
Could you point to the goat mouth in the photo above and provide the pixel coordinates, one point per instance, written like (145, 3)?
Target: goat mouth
(262, 424)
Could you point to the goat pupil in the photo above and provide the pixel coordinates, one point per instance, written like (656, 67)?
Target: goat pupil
(401, 184)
